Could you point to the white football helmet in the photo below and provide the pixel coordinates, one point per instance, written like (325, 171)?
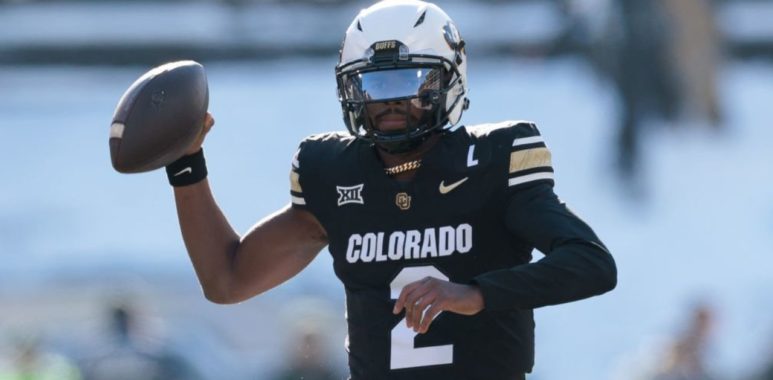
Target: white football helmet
(402, 52)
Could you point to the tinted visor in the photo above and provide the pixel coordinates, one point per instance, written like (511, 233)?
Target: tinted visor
(375, 86)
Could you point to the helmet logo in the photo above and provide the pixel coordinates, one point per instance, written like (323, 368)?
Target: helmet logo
(452, 35)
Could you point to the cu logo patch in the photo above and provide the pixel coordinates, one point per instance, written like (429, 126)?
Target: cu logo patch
(403, 201)
(350, 194)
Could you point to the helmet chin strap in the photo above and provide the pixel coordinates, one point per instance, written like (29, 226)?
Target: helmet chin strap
(401, 146)
(405, 145)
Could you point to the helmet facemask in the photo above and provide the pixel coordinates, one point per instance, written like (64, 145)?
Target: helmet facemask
(378, 91)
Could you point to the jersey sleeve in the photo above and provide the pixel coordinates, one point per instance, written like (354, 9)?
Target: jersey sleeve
(576, 265)
(529, 159)
(297, 198)
(310, 175)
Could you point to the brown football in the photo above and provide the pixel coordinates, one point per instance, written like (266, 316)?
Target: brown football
(158, 117)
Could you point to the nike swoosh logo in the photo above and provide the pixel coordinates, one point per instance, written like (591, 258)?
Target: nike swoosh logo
(445, 189)
(186, 170)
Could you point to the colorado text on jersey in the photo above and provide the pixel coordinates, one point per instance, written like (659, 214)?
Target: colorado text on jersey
(411, 244)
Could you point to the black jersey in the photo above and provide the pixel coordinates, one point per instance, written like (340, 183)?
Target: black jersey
(481, 201)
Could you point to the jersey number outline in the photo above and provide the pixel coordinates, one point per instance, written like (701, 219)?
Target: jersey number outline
(403, 352)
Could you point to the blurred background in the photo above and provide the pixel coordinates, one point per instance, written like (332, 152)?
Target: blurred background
(658, 114)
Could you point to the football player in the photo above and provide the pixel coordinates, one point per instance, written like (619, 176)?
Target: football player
(431, 228)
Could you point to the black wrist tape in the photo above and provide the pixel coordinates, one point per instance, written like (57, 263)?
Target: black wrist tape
(187, 170)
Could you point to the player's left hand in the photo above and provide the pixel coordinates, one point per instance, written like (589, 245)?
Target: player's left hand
(423, 300)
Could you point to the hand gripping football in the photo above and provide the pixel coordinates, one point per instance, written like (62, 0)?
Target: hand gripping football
(159, 117)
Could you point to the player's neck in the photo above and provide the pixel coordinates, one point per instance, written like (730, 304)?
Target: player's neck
(394, 159)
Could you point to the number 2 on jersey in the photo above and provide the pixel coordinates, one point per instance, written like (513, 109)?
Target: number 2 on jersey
(403, 352)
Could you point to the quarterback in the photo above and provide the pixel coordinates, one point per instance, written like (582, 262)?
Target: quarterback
(431, 225)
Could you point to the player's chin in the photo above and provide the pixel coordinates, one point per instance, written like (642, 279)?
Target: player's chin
(391, 125)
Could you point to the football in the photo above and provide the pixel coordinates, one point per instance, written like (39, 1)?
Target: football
(158, 117)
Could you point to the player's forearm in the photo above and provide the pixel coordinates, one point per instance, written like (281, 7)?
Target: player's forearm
(577, 264)
(572, 271)
(209, 238)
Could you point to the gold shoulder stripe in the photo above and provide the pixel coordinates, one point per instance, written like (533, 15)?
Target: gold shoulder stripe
(529, 159)
(295, 184)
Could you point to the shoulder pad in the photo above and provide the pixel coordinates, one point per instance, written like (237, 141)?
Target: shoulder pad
(312, 164)
(504, 129)
(521, 142)
(322, 147)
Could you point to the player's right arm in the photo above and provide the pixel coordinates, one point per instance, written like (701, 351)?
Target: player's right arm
(231, 268)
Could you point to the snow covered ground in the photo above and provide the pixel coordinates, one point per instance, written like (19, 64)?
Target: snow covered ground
(702, 230)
